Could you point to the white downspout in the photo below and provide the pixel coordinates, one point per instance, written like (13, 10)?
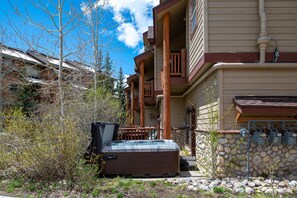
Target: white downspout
(263, 39)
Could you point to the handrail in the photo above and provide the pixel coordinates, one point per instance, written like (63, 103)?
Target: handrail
(178, 63)
(149, 89)
(138, 133)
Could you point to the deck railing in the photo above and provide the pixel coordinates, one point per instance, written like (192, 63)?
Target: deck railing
(139, 133)
(178, 64)
(149, 89)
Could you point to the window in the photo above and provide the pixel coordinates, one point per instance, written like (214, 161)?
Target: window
(32, 72)
(193, 16)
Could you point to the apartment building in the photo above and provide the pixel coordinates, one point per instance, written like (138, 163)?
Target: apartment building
(214, 67)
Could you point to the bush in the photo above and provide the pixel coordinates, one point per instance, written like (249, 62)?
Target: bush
(42, 148)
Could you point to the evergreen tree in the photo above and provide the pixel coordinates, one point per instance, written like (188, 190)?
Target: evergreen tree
(121, 95)
(109, 81)
(98, 67)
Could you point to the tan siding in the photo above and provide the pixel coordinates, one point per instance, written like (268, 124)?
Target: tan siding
(258, 82)
(204, 97)
(151, 117)
(177, 113)
(233, 25)
(282, 24)
(158, 67)
(196, 43)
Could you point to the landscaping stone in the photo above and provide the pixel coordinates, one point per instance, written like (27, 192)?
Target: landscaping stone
(249, 190)
(251, 184)
(269, 191)
(238, 190)
(239, 185)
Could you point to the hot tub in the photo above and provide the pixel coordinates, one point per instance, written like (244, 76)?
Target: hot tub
(137, 158)
(145, 158)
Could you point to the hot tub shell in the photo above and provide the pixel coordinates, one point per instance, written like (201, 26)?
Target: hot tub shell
(136, 158)
(141, 158)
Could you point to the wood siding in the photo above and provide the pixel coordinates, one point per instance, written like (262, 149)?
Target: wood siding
(178, 112)
(196, 40)
(282, 24)
(234, 25)
(205, 98)
(257, 82)
(158, 67)
(150, 116)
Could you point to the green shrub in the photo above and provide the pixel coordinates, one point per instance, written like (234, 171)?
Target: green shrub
(44, 148)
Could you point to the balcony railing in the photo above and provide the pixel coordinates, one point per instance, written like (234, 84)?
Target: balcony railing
(139, 133)
(178, 64)
(149, 89)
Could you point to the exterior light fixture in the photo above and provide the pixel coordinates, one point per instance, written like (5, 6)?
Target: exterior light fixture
(275, 55)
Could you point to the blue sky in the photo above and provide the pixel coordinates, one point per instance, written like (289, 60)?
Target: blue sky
(123, 24)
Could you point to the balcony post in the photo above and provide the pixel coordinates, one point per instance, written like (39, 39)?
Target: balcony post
(166, 76)
(132, 102)
(141, 93)
(128, 120)
(184, 62)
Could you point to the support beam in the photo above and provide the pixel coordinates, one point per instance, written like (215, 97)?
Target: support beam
(166, 76)
(132, 102)
(141, 93)
(128, 112)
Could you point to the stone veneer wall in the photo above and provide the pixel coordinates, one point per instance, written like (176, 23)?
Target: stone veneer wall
(203, 153)
(231, 157)
(179, 136)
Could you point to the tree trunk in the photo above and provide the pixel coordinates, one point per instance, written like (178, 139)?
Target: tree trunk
(61, 94)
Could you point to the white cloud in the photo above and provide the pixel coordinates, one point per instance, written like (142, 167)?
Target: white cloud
(132, 25)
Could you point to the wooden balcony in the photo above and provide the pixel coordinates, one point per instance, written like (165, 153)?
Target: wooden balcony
(178, 64)
(149, 89)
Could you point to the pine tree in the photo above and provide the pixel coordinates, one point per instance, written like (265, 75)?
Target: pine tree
(108, 83)
(121, 95)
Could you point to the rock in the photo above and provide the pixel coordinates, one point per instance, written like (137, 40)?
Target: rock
(280, 191)
(238, 190)
(190, 187)
(229, 185)
(214, 184)
(292, 157)
(275, 148)
(257, 182)
(232, 141)
(263, 154)
(227, 149)
(249, 190)
(220, 148)
(289, 191)
(223, 183)
(245, 182)
(269, 191)
(257, 160)
(202, 187)
(251, 184)
(233, 151)
(293, 151)
(293, 183)
(223, 140)
(220, 161)
(263, 189)
(282, 184)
